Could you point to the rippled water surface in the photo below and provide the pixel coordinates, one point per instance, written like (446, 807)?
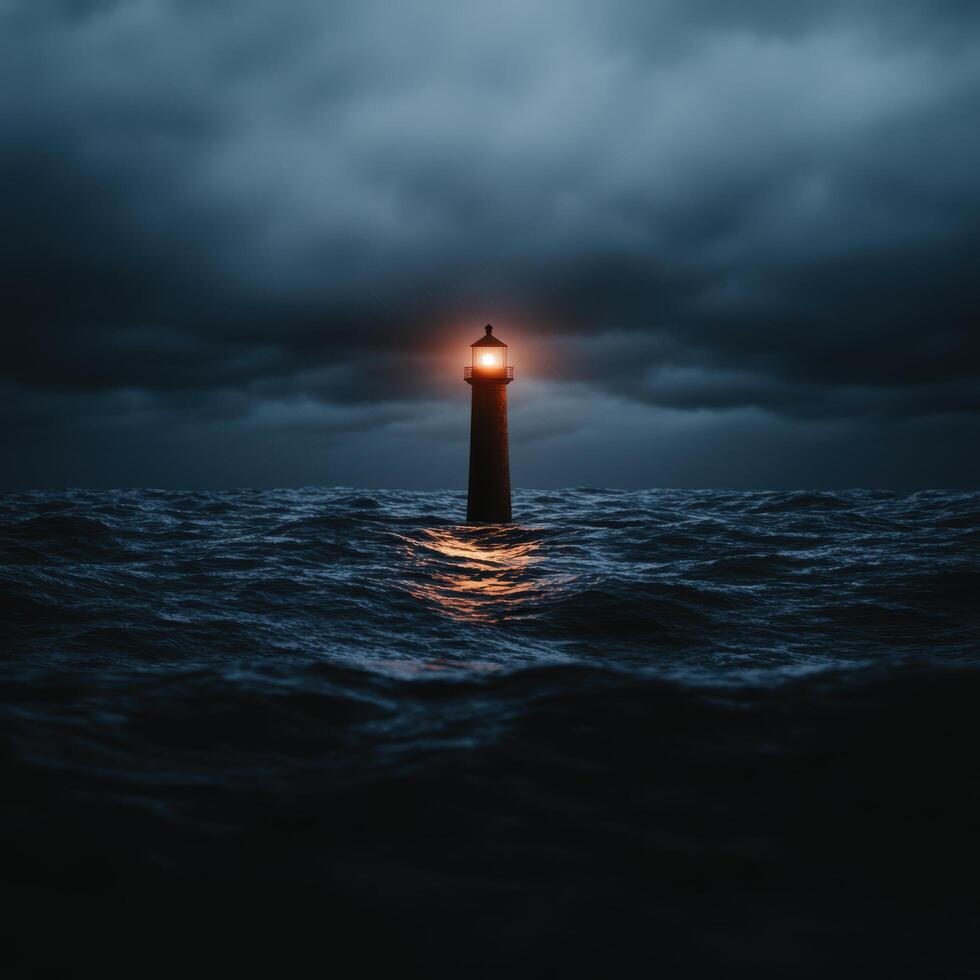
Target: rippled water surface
(718, 729)
(697, 586)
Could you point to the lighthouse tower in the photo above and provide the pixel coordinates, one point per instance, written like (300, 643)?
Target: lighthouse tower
(488, 500)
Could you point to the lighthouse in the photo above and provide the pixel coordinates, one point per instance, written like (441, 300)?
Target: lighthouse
(488, 499)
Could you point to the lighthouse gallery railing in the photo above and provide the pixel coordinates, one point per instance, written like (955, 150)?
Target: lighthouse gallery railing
(488, 372)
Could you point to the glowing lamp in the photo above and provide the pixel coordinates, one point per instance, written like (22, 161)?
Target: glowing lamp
(489, 355)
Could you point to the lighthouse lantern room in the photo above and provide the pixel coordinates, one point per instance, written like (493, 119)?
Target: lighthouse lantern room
(489, 357)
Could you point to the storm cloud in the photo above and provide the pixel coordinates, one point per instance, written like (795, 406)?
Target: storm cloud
(732, 244)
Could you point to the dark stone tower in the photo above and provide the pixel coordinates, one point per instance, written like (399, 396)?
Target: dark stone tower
(488, 500)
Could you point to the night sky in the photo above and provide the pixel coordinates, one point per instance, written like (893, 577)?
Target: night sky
(731, 245)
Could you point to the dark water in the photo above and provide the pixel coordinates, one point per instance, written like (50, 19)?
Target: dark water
(674, 733)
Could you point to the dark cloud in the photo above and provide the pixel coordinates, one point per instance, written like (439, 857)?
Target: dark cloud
(231, 225)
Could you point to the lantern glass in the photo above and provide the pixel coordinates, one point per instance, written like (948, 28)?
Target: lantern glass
(489, 358)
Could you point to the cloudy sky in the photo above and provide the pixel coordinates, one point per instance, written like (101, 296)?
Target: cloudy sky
(731, 245)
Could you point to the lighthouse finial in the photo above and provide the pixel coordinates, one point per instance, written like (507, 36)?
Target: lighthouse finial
(488, 329)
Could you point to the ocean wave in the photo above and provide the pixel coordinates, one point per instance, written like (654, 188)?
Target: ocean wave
(734, 729)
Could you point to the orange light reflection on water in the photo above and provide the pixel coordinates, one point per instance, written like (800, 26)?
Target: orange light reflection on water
(475, 574)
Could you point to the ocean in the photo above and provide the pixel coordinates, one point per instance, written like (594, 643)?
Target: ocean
(664, 732)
